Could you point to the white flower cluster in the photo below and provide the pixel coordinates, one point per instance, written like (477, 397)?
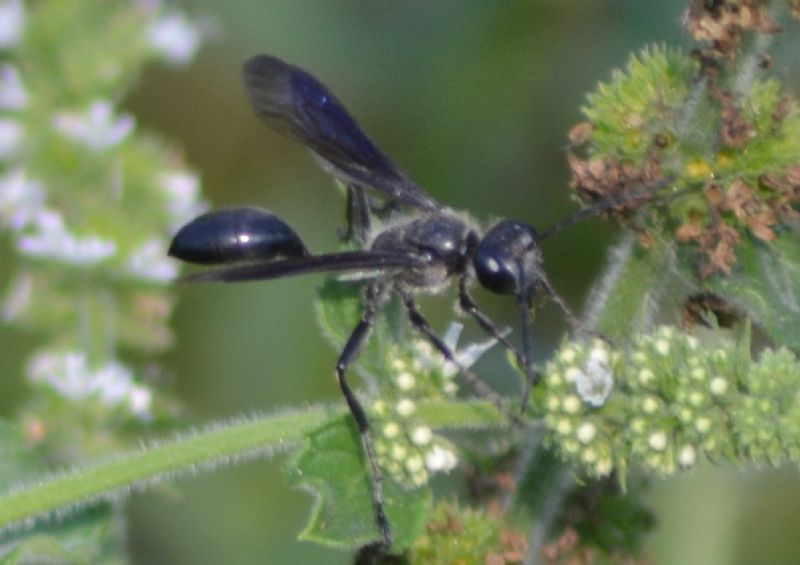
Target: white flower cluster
(52, 221)
(69, 375)
(49, 238)
(21, 199)
(12, 91)
(13, 95)
(409, 452)
(673, 402)
(96, 127)
(577, 384)
(42, 232)
(12, 22)
(181, 190)
(593, 380)
(174, 37)
(150, 262)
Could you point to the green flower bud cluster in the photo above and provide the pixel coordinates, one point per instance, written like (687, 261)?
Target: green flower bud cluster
(575, 387)
(668, 400)
(767, 423)
(406, 449)
(729, 154)
(463, 535)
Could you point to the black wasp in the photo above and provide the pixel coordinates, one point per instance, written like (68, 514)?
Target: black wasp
(413, 253)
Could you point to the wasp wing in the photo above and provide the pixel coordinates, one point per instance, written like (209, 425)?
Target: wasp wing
(296, 104)
(364, 262)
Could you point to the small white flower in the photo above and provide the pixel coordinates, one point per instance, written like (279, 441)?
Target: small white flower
(182, 189)
(657, 441)
(414, 464)
(405, 381)
(112, 382)
(594, 383)
(468, 355)
(687, 456)
(68, 374)
(450, 388)
(567, 355)
(96, 128)
(150, 262)
(586, 432)
(399, 451)
(440, 459)
(571, 404)
(10, 137)
(570, 446)
(662, 346)
(599, 354)
(573, 374)
(650, 405)
(20, 199)
(12, 22)
(140, 401)
(718, 386)
(379, 408)
(174, 37)
(50, 239)
(603, 466)
(703, 424)
(421, 435)
(646, 376)
(564, 427)
(418, 478)
(12, 93)
(697, 399)
(405, 407)
(391, 430)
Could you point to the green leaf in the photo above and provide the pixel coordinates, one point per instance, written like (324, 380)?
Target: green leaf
(333, 466)
(766, 285)
(339, 308)
(86, 537)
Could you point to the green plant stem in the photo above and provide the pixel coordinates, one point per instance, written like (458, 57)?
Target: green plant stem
(224, 442)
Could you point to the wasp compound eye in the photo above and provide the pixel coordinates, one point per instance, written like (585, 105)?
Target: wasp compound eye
(236, 235)
(505, 255)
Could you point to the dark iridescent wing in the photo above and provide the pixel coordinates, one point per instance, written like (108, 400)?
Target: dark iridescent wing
(296, 104)
(364, 262)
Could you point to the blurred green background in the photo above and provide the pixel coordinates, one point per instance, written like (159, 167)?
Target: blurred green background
(474, 99)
